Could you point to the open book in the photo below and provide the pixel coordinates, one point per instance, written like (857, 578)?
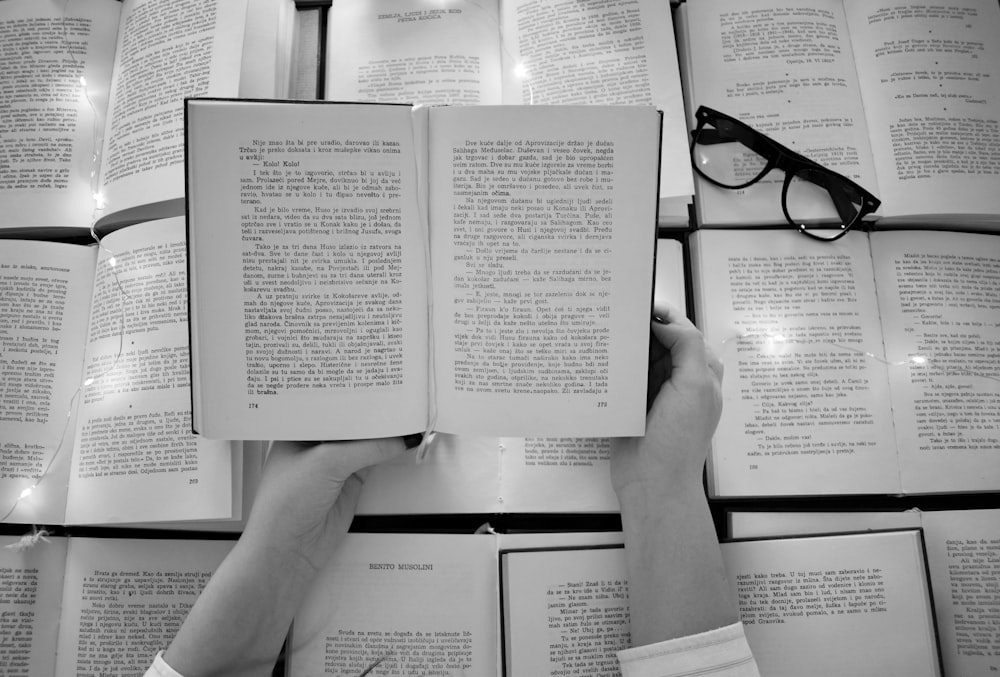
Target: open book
(89, 606)
(862, 366)
(329, 243)
(463, 474)
(431, 603)
(98, 107)
(904, 99)
(962, 547)
(516, 52)
(96, 406)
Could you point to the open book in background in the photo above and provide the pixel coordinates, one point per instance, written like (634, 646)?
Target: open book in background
(535, 604)
(96, 409)
(461, 474)
(320, 234)
(75, 606)
(962, 558)
(862, 366)
(905, 100)
(516, 52)
(99, 105)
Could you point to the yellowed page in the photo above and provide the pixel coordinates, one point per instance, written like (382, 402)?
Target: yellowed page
(796, 324)
(853, 604)
(308, 271)
(30, 596)
(434, 52)
(135, 458)
(51, 125)
(45, 293)
(940, 310)
(124, 600)
(422, 603)
(785, 68)
(542, 236)
(930, 79)
(167, 50)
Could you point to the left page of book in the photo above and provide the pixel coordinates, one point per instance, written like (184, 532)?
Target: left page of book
(414, 603)
(939, 306)
(45, 294)
(60, 56)
(135, 458)
(961, 557)
(930, 80)
(124, 599)
(31, 584)
(414, 51)
(796, 324)
(784, 67)
(542, 224)
(308, 270)
(849, 604)
(167, 50)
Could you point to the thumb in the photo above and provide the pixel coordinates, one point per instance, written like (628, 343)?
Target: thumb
(359, 454)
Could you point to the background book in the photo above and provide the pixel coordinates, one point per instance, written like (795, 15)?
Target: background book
(861, 366)
(517, 52)
(77, 605)
(903, 100)
(541, 603)
(100, 111)
(540, 297)
(460, 474)
(96, 409)
(962, 548)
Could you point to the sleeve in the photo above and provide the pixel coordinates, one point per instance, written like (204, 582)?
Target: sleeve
(723, 652)
(159, 668)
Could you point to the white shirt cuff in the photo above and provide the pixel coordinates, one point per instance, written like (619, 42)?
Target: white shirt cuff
(159, 668)
(720, 652)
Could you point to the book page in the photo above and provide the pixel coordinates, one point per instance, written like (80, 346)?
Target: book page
(600, 53)
(962, 558)
(963, 548)
(941, 317)
(930, 79)
(413, 51)
(566, 612)
(135, 458)
(418, 603)
(125, 599)
(45, 290)
(167, 50)
(309, 293)
(31, 583)
(785, 68)
(868, 591)
(805, 398)
(51, 122)
(542, 236)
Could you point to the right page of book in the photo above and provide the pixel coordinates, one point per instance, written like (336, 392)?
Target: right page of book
(124, 600)
(839, 605)
(930, 80)
(542, 224)
(412, 603)
(134, 457)
(805, 398)
(785, 68)
(939, 305)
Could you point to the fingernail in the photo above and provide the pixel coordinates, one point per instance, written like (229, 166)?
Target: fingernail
(658, 319)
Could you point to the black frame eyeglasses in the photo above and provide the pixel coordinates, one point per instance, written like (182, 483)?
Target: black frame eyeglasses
(850, 201)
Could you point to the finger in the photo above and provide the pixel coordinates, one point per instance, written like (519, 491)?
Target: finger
(688, 353)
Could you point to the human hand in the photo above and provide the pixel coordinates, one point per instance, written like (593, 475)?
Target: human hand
(308, 493)
(685, 380)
